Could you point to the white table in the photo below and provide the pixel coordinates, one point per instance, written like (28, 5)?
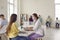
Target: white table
(25, 34)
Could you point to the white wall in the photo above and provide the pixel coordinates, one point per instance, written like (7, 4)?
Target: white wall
(3, 7)
(42, 7)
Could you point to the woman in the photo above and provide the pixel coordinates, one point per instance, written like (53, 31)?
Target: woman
(37, 28)
(48, 21)
(12, 30)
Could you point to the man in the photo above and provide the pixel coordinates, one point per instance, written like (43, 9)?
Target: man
(3, 23)
(3, 20)
(57, 23)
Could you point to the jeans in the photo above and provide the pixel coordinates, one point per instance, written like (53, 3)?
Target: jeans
(48, 24)
(20, 38)
(57, 25)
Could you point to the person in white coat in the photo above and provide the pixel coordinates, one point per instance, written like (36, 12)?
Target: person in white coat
(37, 28)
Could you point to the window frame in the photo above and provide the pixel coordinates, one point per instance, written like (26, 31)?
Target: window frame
(56, 4)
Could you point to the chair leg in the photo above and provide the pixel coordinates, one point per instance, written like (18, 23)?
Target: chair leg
(0, 38)
(41, 38)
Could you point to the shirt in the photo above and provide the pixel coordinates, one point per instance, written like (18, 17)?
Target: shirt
(13, 31)
(37, 27)
(49, 19)
(57, 21)
(4, 22)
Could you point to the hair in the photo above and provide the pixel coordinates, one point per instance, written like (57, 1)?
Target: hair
(13, 19)
(56, 17)
(35, 14)
(2, 15)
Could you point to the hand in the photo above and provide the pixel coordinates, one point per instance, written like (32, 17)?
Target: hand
(29, 28)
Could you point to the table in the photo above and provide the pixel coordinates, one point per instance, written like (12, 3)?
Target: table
(27, 33)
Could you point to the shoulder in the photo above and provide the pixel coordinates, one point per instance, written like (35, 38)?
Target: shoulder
(14, 23)
(38, 21)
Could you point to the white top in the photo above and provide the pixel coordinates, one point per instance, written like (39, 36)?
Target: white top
(4, 22)
(57, 21)
(37, 27)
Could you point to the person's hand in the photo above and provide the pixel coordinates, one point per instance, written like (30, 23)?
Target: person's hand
(29, 28)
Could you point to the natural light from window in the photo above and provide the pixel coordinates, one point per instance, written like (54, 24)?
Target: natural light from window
(57, 9)
(12, 7)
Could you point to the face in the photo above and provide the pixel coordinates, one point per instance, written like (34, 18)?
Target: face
(33, 17)
(2, 17)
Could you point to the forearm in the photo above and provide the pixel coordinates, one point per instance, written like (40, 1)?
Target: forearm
(0, 27)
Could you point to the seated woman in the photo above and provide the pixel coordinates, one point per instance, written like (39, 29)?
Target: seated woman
(37, 28)
(12, 29)
(48, 21)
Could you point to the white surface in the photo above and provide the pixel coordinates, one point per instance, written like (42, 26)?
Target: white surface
(25, 34)
(42, 7)
(29, 32)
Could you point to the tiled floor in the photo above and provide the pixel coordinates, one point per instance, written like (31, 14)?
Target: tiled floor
(52, 34)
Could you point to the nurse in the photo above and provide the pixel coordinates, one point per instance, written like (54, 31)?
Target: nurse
(37, 28)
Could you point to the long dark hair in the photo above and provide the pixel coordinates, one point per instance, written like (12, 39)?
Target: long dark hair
(35, 14)
(13, 19)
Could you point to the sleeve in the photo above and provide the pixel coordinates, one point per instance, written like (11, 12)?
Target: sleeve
(37, 24)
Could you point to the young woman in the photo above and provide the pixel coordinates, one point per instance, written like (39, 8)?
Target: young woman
(12, 29)
(48, 21)
(37, 28)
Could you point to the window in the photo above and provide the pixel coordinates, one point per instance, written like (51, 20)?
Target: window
(12, 7)
(57, 9)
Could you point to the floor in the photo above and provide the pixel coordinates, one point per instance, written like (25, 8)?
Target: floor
(52, 34)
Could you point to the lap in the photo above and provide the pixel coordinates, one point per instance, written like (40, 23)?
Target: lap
(19, 38)
(34, 35)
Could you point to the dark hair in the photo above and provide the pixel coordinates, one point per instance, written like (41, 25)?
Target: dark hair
(2, 15)
(35, 14)
(56, 17)
(13, 19)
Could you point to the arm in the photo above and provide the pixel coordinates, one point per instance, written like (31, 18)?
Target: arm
(37, 25)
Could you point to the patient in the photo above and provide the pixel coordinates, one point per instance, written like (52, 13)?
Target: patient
(12, 29)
